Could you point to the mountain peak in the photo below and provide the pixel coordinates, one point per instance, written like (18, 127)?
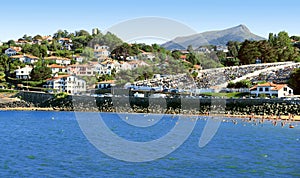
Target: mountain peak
(221, 37)
(243, 27)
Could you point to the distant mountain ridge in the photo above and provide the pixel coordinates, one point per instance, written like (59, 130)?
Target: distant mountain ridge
(218, 37)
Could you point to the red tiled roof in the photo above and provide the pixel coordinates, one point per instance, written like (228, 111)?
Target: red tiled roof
(274, 87)
(56, 58)
(56, 66)
(58, 77)
(107, 81)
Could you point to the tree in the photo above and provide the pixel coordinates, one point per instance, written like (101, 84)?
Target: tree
(9, 66)
(191, 57)
(283, 39)
(268, 53)
(294, 81)
(61, 34)
(4, 62)
(194, 74)
(230, 61)
(27, 38)
(39, 73)
(35, 50)
(37, 37)
(88, 53)
(243, 84)
(82, 33)
(43, 50)
(11, 43)
(190, 49)
(271, 39)
(26, 48)
(233, 48)
(249, 52)
(176, 54)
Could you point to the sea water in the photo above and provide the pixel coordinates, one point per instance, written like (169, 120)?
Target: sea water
(51, 144)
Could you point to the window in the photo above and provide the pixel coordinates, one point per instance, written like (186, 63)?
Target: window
(260, 89)
(284, 89)
(266, 89)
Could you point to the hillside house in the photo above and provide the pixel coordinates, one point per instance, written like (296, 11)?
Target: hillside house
(271, 89)
(66, 83)
(23, 73)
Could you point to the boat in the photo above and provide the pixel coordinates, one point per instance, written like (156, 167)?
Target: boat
(291, 126)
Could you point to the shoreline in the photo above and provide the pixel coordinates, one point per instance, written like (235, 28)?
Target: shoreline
(232, 116)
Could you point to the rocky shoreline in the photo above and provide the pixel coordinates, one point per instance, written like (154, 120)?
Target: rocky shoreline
(229, 107)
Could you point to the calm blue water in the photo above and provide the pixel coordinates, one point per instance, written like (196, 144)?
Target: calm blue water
(51, 144)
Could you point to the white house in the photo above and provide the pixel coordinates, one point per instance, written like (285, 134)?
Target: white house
(30, 59)
(23, 73)
(136, 64)
(58, 69)
(101, 51)
(271, 89)
(59, 60)
(66, 83)
(222, 48)
(105, 84)
(124, 65)
(131, 58)
(147, 55)
(81, 69)
(78, 58)
(202, 49)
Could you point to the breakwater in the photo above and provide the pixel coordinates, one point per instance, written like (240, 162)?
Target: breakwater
(176, 104)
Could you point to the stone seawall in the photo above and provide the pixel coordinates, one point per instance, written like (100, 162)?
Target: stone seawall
(163, 105)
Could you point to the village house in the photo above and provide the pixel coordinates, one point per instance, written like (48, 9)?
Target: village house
(109, 65)
(222, 48)
(202, 49)
(124, 65)
(271, 89)
(81, 69)
(47, 38)
(66, 43)
(23, 73)
(78, 58)
(56, 69)
(59, 60)
(105, 84)
(131, 58)
(147, 55)
(37, 41)
(25, 58)
(136, 64)
(66, 83)
(101, 51)
(12, 51)
(22, 42)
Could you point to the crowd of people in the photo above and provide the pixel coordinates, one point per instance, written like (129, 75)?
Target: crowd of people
(213, 77)
(179, 81)
(279, 75)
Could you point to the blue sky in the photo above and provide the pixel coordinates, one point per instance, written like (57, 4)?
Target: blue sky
(45, 17)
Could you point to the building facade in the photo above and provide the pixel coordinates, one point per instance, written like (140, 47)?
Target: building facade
(271, 89)
(66, 83)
